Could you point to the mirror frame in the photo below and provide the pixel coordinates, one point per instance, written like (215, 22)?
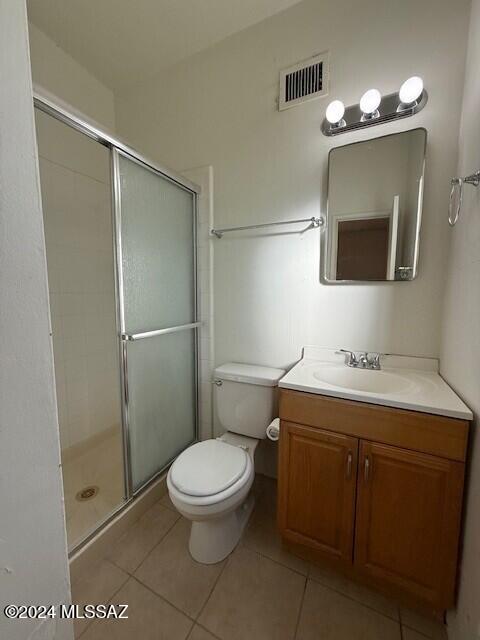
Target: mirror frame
(324, 256)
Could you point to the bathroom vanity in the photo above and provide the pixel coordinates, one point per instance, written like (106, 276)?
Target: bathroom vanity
(371, 473)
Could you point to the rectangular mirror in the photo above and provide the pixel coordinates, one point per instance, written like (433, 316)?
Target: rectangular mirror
(374, 212)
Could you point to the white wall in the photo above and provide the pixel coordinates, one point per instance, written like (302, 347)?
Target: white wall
(33, 558)
(75, 178)
(460, 354)
(218, 108)
(58, 73)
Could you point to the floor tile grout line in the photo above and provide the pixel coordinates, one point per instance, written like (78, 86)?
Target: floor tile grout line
(142, 584)
(168, 506)
(193, 620)
(109, 600)
(408, 626)
(355, 600)
(131, 573)
(400, 623)
(137, 579)
(285, 566)
(214, 635)
(300, 609)
(420, 633)
(131, 576)
(190, 631)
(227, 562)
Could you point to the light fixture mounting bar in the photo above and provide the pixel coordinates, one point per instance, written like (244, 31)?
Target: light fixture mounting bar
(390, 108)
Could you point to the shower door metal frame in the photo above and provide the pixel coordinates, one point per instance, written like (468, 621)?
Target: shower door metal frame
(90, 129)
(117, 146)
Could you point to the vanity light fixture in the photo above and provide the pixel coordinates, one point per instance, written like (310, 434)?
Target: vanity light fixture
(369, 103)
(375, 108)
(410, 92)
(334, 114)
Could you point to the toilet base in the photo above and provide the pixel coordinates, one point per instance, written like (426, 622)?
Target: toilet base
(212, 540)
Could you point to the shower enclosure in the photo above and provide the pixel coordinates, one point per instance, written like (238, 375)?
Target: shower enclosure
(121, 254)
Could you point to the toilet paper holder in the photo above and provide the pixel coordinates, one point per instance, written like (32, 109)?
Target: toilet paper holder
(273, 430)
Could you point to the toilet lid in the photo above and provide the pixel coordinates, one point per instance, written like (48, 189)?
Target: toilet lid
(208, 467)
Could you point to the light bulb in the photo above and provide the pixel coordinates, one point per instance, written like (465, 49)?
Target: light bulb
(411, 90)
(335, 111)
(370, 101)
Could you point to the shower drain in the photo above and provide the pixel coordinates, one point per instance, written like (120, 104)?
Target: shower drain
(87, 494)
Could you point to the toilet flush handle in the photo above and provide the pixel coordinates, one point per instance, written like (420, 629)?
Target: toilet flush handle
(217, 382)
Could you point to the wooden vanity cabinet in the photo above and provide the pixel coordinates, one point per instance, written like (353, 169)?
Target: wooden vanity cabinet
(407, 520)
(318, 497)
(383, 511)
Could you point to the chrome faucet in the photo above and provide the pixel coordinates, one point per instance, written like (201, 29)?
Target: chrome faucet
(363, 361)
(350, 358)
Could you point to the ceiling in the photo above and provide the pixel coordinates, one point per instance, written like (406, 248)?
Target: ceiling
(125, 42)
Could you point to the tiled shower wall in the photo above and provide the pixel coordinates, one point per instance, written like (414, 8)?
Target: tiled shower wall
(76, 195)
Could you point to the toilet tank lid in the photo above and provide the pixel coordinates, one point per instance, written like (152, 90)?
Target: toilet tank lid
(249, 373)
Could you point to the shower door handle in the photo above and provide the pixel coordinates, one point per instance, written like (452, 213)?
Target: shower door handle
(130, 337)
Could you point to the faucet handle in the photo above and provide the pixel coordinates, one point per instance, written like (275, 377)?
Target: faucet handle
(350, 357)
(374, 360)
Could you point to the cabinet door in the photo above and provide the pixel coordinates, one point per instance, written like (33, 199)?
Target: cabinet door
(317, 478)
(408, 518)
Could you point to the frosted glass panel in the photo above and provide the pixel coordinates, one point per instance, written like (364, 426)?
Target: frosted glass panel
(161, 388)
(157, 234)
(157, 250)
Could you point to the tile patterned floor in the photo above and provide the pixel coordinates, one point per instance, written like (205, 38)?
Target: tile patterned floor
(260, 592)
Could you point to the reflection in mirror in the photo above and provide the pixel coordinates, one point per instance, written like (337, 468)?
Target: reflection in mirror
(374, 211)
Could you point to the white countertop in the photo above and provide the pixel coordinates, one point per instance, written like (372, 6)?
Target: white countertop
(403, 382)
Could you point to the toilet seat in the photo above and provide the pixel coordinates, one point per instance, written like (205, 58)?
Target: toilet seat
(189, 486)
(207, 468)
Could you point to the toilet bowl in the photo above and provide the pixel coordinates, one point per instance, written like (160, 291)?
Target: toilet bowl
(209, 483)
(218, 510)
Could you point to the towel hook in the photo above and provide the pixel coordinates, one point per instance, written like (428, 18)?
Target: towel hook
(457, 188)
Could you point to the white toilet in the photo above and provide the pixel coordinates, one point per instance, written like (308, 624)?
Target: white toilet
(209, 482)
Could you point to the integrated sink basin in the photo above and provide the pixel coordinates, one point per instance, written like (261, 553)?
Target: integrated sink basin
(403, 381)
(361, 379)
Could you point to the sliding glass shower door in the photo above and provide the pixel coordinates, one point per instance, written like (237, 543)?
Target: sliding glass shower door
(157, 293)
(138, 301)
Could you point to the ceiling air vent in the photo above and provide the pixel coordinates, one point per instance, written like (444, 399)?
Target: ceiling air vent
(304, 81)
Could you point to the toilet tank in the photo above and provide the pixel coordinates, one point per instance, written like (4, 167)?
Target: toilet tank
(246, 397)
